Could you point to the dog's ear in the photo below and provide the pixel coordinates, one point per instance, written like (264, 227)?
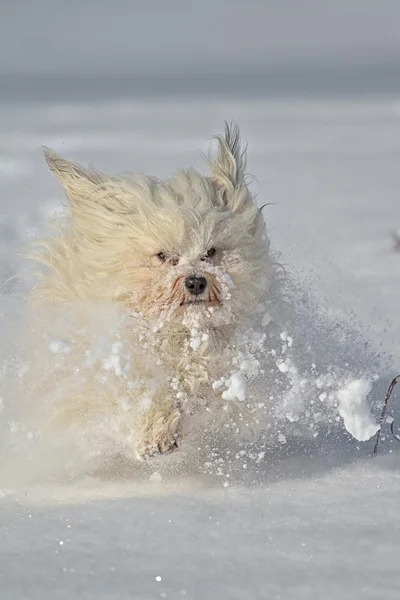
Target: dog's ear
(77, 181)
(228, 169)
(93, 197)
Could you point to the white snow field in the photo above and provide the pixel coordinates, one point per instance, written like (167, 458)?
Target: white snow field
(310, 512)
(317, 517)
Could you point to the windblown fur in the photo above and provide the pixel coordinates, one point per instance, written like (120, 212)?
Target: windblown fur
(129, 244)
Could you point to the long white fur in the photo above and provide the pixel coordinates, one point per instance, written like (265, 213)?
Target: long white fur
(105, 251)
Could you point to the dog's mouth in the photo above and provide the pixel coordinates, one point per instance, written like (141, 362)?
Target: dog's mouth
(196, 303)
(200, 301)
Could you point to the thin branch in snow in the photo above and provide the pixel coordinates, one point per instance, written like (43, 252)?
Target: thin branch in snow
(384, 409)
(395, 435)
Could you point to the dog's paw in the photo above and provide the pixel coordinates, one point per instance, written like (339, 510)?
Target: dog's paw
(161, 435)
(149, 449)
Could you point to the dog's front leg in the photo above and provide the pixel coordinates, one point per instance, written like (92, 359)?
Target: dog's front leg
(161, 430)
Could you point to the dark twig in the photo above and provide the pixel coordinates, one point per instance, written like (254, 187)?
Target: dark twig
(383, 413)
(395, 435)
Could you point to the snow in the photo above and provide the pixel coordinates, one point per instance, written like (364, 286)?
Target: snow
(236, 388)
(58, 346)
(300, 537)
(310, 512)
(355, 411)
(319, 488)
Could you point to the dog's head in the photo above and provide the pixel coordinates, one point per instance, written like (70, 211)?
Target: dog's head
(193, 244)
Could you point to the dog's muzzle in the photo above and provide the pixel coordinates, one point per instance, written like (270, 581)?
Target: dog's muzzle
(194, 290)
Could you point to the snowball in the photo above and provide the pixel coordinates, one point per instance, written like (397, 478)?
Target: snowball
(115, 361)
(195, 343)
(354, 410)
(236, 388)
(283, 366)
(218, 384)
(197, 338)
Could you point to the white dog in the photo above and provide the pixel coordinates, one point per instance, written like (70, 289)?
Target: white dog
(186, 264)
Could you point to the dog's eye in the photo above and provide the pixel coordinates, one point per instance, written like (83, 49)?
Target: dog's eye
(162, 256)
(209, 254)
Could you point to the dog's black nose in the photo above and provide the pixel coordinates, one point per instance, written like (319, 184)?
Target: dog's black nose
(195, 285)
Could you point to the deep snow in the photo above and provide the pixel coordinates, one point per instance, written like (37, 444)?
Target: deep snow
(318, 517)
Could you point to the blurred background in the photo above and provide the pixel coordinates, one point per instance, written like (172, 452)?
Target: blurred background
(144, 85)
(54, 49)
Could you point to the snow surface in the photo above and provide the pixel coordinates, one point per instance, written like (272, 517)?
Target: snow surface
(311, 514)
(309, 517)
